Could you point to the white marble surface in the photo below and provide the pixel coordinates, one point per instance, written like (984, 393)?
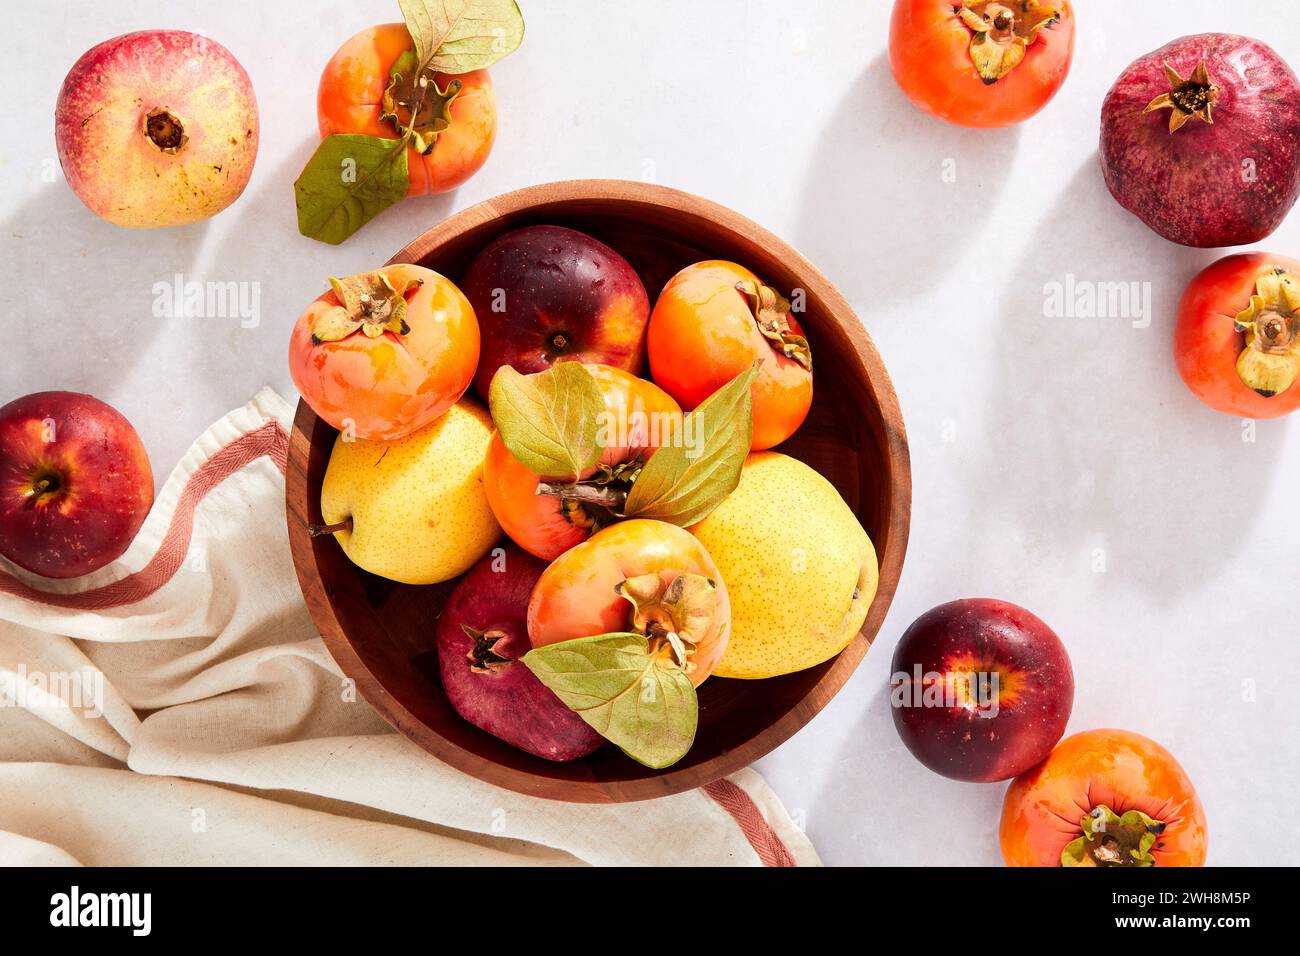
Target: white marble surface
(1035, 441)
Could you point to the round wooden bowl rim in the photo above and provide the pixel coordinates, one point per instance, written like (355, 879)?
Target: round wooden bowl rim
(654, 784)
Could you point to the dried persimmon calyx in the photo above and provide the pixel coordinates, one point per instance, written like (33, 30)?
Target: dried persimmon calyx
(1270, 362)
(368, 303)
(1002, 31)
(1109, 839)
(676, 613)
(414, 104)
(772, 316)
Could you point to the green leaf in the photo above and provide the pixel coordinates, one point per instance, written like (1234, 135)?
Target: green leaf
(350, 179)
(549, 420)
(457, 36)
(691, 475)
(639, 700)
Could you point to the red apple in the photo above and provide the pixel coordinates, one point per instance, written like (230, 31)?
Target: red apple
(545, 294)
(75, 483)
(156, 128)
(981, 689)
(482, 633)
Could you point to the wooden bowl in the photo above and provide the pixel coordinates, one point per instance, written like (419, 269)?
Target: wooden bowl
(382, 633)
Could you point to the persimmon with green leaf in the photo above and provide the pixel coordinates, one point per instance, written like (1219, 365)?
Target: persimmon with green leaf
(641, 575)
(405, 109)
(383, 353)
(368, 87)
(551, 497)
(624, 627)
(580, 447)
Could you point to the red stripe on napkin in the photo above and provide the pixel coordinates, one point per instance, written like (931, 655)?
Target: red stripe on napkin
(771, 851)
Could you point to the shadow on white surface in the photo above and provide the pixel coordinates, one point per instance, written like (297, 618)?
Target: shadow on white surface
(104, 329)
(1104, 466)
(894, 195)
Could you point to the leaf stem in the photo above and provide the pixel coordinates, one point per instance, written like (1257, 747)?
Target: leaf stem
(605, 495)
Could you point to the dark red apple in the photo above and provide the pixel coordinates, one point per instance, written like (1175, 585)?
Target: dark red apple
(482, 633)
(981, 689)
(544, 294)
(75, 483)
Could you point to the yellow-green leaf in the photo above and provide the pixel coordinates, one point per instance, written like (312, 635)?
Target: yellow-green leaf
(457, 36)
(691, 475)
(638, 700)
(549, 420)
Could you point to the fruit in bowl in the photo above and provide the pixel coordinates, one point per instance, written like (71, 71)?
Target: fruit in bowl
(802, 571)
(630, 674)
(413, 509)
(981, 689)
(1237, 342)
(482, 634)
(715, 319)
(1134, 806)
(546, 294)
(981, 63)
(156, 128)
(547, 515)
(1200, 139)
(75, 483)
(384, 353)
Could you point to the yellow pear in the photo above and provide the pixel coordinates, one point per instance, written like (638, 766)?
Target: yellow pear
(800, 570)
(414, 510)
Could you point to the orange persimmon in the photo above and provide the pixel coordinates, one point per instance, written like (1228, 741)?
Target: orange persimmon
(1104, 798)
(642, 576)
(385, 352)
(640, 417)
(712, 322)
(981, 63)
(350, 100)
(1237, 342)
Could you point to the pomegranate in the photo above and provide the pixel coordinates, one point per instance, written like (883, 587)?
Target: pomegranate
(482, 633)
(1201, 140)
(156, 128)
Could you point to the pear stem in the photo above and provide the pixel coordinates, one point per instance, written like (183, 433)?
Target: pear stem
(319, 530)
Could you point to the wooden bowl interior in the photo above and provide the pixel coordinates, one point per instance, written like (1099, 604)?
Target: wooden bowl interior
(389, 629)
